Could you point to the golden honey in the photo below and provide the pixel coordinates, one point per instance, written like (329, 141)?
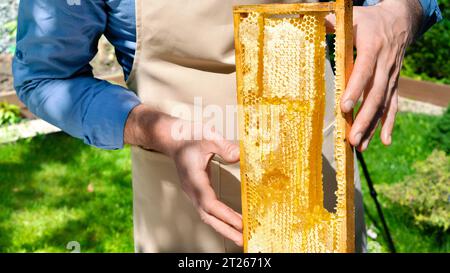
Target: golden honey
(280, 58)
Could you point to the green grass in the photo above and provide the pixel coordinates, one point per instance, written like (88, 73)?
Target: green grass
(389, 165)
(45, 202)
(410, 143)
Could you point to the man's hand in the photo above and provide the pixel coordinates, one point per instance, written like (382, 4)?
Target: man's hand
(192, 159)
(381, 35)
(191, 147)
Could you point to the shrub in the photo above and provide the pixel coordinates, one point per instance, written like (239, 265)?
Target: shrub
(9, 113)
(428, 57)
(440, 135)
(11, 29)
(426, 193)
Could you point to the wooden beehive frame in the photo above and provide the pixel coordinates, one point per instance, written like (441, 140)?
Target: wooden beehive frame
(344, 63)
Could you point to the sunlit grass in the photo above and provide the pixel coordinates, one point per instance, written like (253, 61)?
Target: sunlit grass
(54, 189)
(389, 165)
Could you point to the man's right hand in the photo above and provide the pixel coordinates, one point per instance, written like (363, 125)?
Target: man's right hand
(154, 130)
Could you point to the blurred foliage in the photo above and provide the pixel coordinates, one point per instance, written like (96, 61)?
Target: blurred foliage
(391, 165)
(428, 58)
(426, 193)
(440, 135)
(9, 114)
(11, 29)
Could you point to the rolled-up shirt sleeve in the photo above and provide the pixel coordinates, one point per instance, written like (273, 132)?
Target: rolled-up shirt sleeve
(431, 14)
(56, 40)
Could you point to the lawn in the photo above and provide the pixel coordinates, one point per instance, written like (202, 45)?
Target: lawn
(389, 165)
(54, 190)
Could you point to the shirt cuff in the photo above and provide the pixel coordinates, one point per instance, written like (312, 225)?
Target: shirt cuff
(431, 14)
(106, 117)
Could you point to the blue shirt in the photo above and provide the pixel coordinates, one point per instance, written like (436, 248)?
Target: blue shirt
(57, 39)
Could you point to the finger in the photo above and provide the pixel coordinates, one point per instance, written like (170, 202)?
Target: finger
(213, 212)
(225, 149)
(206, 199)
(366, 138)
(369, 134)
(330, 22)
(222, 228)
(370, 111)
(224, 213)
(382, 113)
(388, 120)
(360, 78)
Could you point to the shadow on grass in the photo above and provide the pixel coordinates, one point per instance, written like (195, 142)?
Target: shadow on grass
(45, 201)
(16, 186)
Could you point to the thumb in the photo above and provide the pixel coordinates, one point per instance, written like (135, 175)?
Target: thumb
(226, 150)
(330, 22)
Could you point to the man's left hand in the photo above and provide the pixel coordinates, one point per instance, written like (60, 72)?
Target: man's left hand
(381, 34)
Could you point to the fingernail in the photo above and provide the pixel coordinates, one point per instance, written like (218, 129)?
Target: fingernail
(236, 153)
(364, 145)
(388, 139)
(348, 105)
(358, 137)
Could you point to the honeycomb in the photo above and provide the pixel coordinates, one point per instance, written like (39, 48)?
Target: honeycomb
(281, 88)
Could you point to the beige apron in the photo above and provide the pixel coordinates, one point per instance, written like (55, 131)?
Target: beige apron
(185, 50)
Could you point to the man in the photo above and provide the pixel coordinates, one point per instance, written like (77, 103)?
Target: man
(173, 52)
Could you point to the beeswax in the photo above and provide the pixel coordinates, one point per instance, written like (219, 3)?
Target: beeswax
(280, 58)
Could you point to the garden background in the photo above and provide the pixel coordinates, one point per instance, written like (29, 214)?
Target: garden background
(55, 190)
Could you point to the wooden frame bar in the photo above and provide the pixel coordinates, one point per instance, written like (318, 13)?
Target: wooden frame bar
(345, 164)
(286, 8)
(344, 63)
(239, 81)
